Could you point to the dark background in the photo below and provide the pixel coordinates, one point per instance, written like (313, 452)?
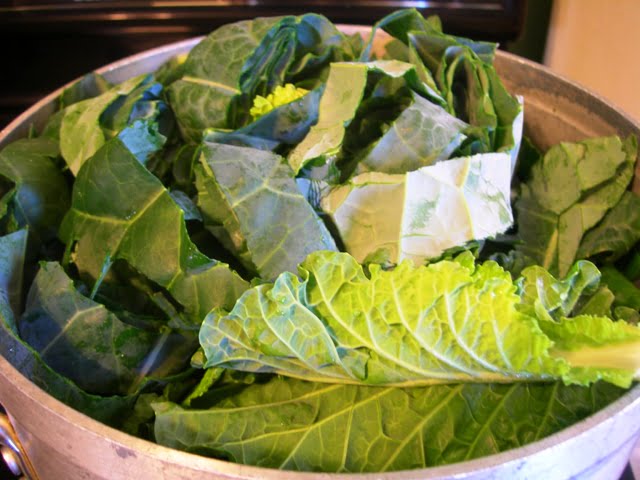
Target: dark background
(48, 43)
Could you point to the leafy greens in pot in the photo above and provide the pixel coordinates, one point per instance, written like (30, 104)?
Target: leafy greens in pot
(342, 263)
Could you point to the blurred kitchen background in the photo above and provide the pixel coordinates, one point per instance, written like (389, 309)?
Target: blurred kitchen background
(47, 43)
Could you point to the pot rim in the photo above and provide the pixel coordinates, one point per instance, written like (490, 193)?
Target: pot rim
(630, 400)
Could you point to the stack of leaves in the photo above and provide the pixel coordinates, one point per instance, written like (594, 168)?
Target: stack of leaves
(279, 242)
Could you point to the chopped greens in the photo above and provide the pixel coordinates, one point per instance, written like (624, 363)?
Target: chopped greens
(285, 249)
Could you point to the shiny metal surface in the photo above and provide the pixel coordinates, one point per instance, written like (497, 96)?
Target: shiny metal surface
(65, 444)
(13, 452)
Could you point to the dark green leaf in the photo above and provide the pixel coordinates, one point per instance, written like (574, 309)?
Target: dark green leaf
(81, 339)
(26, 360)
(41, 193)
(252, 194)
(287, 124)
(626, 293)
(569, 192)
(616, 233)
(89, 86)
(121, 210)
(202, 97)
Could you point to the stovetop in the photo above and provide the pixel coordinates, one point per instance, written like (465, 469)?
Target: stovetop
(48, 43)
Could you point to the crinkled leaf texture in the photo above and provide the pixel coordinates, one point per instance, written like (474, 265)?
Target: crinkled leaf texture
(203, 96)
(253, 196)
(121, 211)
(451, 321)
(296, 425)
(424, 212)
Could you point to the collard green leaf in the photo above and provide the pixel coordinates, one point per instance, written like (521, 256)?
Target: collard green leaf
(297, 50)
(287, 124)
(422, 135)
(199, 104)
(586, 340)
(618, 231)
(12, 249)
(402, 23)
(7, 192)
(121, 211)
(25, 359)
(81, 134)
(340, 100)
(305, 426)
(569, 192)
(252, 194)
(171, 70)
(258, 55)
(80, 338)
(559, 297)
(89, 86)
(142, 138)
(203, 96)
(420, 214)
(450, 321)
(460, 71)
(41, 196)
(406, 326)
(626, 293)
(189, 208)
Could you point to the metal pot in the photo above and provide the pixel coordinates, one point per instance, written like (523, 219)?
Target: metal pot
(57, 442)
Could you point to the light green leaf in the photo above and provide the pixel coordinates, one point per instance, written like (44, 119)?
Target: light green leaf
(450, 321)
(585, 341)
(408, 326)
(80, 132)
(294, 425)
(420, 214)
(559, 297)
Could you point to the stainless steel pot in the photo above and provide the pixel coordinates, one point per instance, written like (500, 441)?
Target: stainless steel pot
(61, 443)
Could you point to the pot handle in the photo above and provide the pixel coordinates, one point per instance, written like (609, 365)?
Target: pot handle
(12, 452)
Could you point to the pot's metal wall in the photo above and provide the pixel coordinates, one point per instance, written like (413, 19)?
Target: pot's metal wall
(63, 443)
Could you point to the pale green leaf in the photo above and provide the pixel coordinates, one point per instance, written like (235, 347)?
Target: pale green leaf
(421, 214)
